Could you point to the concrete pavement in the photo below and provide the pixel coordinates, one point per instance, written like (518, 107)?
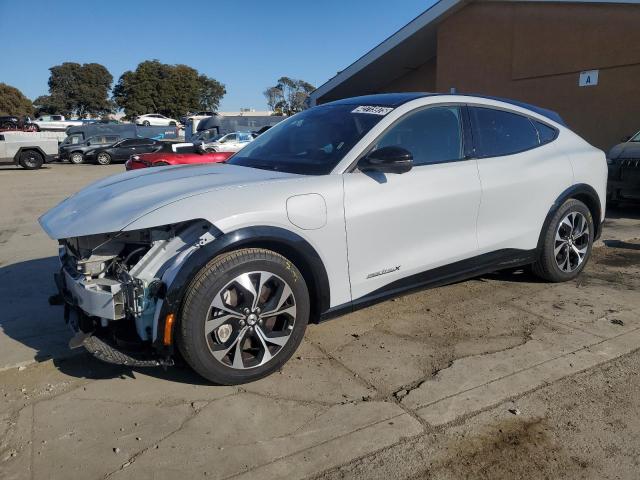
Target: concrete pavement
(363, 384)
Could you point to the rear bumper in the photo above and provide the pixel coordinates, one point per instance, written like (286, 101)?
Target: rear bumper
(135, 164)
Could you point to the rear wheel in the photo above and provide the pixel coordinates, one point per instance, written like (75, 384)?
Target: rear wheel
(76, 158)
(31, 160)
(160, 164)
(567, 243)
(103, 158)
(244, 315)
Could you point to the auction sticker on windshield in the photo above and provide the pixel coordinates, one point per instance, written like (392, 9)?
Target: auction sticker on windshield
(374, 110)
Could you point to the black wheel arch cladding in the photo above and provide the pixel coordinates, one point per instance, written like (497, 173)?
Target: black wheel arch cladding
(584, 193)
(285, 242)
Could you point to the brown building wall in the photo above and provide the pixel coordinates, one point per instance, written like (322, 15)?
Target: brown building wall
(534, 53)
(423, 79)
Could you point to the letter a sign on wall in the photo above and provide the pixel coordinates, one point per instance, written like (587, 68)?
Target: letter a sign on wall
(588, 78)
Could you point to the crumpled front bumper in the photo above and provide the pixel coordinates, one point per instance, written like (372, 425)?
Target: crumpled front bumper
(82, 302)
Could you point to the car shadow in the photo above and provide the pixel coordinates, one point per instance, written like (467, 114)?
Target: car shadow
(624, 210)
(31, 329)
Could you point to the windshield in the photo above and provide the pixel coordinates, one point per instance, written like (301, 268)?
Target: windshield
(311, 142)
(635, 138)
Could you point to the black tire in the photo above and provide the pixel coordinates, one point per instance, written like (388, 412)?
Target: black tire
(160, 164)
(76, 158)
(547, 266)
(146, 123)
(172, 124)
(30, 159)
(103, 158)
(209, 283)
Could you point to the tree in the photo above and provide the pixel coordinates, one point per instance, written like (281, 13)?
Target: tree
(76, 89)
(13, 102)
(289, 96)
(172, 90)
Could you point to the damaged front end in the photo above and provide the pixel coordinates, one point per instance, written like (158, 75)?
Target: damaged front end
(113, 286)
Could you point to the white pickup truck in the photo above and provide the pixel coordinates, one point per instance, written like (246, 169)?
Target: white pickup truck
(26, 149)
(54, 123)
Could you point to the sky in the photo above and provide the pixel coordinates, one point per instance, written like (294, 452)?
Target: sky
(245, 45)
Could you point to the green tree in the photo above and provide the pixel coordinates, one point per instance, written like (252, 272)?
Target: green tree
(13, 102)
(76, 89)
(288, 96)
(172, 90)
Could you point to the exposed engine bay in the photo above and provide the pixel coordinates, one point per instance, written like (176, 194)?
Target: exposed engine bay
(117, 280)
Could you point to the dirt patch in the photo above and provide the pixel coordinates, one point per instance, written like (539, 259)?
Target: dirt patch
(513, 448)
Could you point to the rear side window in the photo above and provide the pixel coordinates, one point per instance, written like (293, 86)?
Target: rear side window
(546, 133)
(497, 132)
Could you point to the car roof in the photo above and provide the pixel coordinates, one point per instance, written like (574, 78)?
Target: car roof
(396, 99)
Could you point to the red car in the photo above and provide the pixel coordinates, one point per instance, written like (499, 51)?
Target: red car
(175, 154)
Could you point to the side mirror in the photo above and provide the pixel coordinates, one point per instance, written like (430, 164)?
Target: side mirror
(391, 159)
(88, 143)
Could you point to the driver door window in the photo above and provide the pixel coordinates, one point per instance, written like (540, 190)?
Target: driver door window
(432, 135)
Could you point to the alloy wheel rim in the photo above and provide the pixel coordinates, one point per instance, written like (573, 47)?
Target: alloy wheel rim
(30, 161)
(75, 158)
(250, 320)
(102, 158)
(571, 242)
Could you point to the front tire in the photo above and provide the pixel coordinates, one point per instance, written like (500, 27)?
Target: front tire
(146, 123)
(76, 158)
(244, 315)
(567, 243)
(103, 158)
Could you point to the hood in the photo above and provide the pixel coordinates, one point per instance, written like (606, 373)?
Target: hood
(111, 204)
(625, 150)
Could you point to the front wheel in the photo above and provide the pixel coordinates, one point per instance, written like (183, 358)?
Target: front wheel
(244, 315)
(567, 243)
(103, 158)
(76, 158)
(146, 123)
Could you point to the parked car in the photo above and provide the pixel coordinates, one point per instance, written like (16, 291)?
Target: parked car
(624, 171)
(26, 150)
(338, 207)
(74, 148)
(54, 123)
(155, 119)
(176, 154)
(122, 150)
(231, 142)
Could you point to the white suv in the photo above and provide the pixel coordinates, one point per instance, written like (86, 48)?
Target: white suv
(231, 142)
(335, 208)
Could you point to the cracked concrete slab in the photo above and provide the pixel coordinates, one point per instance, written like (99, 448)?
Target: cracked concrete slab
(339, 385)
(76, 438)
(239, 434)
(488, 394)
(468, 373)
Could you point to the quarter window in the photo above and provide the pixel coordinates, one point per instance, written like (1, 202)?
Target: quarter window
(546, 134)
(432, 135)
(497, 132)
